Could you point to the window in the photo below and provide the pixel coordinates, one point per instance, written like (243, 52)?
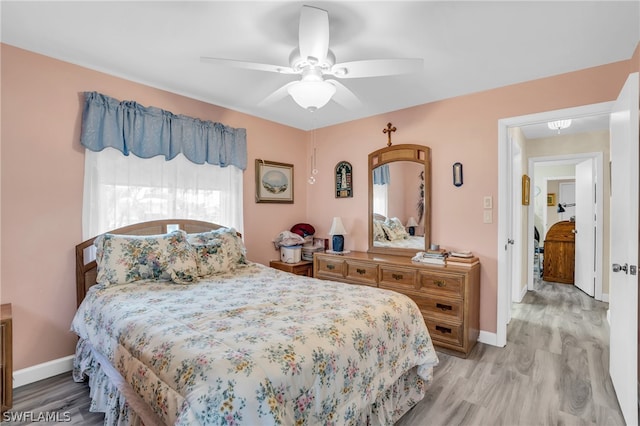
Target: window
(380, 199)
(121, 190)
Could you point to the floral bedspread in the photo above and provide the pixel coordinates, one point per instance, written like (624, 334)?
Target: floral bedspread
(261, 346)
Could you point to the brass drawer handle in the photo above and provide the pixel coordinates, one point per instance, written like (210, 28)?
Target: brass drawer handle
(361, 271)
(331, 267)
(444, 307)
(396, 277)
(443, 330)
(440, 283)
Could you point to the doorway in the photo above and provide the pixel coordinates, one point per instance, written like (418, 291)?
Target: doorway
(509, 206)
(577, 182)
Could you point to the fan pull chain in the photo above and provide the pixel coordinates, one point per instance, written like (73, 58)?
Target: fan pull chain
(314, 170)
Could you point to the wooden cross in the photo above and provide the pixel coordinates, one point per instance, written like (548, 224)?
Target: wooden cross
(388, 130)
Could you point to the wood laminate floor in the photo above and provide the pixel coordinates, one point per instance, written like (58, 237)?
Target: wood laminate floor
(553, 371)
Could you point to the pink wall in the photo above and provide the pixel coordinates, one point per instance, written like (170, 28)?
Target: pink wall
(42, 173)
(463, 129)
(42, 169)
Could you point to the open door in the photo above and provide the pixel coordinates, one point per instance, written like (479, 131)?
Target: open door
(623, 282)
(585, 227)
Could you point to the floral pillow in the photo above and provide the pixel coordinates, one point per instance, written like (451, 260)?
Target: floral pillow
(218, 251)
(124, 259)
(213, 258)
(394, 229)
(378, 231)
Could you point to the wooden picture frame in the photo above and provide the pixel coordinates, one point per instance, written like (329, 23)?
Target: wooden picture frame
(526, 190)
(274, 182)
(344, 180)
(551, 199)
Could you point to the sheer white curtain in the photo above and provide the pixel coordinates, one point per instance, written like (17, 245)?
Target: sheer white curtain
(380, 199)
(120, 190)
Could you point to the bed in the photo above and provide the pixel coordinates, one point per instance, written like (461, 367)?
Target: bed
(389, 232)
(246, 344)
(410, 242)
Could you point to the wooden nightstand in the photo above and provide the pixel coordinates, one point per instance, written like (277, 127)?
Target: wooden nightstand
(6, 357)
(301, 268)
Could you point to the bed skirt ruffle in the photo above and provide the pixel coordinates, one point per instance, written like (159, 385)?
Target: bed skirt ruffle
(109, 393)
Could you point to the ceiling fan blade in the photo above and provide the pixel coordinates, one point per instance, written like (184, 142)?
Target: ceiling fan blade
(376, 68)
(344, 96)
(249, 65)
(279, 94)
(313, 33)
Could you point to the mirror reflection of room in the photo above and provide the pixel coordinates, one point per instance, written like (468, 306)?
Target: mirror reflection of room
(399, 199)
(398, 205)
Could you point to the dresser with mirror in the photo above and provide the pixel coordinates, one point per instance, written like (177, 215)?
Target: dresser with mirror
(448, 296)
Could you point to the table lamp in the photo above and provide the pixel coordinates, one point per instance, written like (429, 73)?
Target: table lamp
(337, 230)
(411, 225)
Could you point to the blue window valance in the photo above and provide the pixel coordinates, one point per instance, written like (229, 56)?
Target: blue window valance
(381, 175)
(150, 131)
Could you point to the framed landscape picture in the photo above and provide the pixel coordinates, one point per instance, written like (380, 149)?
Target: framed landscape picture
(274, 182)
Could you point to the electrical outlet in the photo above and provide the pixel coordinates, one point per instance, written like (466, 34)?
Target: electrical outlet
(488, 216)
(487, 202)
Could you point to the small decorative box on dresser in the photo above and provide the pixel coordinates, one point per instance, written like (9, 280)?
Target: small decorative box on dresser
(448, 296)
(6, 357)
(301, 268)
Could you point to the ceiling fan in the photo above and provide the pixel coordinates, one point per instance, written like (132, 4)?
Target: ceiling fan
(314, 61)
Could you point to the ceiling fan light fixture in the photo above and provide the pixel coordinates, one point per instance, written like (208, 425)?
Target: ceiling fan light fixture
(559, 124)
(312, 94)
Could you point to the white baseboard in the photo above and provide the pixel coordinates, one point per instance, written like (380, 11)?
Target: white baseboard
(522, 293)
(42, 371)
(488, 338)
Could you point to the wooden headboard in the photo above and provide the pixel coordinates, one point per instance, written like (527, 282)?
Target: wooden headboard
(86, 272)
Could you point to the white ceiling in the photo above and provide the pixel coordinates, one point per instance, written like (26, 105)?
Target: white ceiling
(466, 46)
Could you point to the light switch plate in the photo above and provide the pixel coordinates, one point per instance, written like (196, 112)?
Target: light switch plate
(488, 216)
(487, 202)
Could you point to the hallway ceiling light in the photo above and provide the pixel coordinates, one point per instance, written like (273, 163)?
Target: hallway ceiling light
(559, 124)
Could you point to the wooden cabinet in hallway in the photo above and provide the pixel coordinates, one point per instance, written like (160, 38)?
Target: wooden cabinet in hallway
(559, 253)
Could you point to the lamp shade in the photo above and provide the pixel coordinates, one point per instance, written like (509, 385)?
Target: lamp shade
(337, 228)
(311, 94)
(411, 222)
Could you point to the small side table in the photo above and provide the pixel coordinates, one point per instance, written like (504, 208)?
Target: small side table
(6, 357)
(304, 267)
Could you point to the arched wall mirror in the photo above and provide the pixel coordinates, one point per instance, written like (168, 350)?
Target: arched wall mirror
(399, 192)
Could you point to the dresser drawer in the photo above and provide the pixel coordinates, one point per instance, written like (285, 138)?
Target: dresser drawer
(330, 268)
(448, 298)
(400, 279)
(450, 310)
(444, 332)
(447, 285)
(362, 272)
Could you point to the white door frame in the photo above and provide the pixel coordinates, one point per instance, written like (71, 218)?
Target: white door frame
(506, 199)
(516, 226)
